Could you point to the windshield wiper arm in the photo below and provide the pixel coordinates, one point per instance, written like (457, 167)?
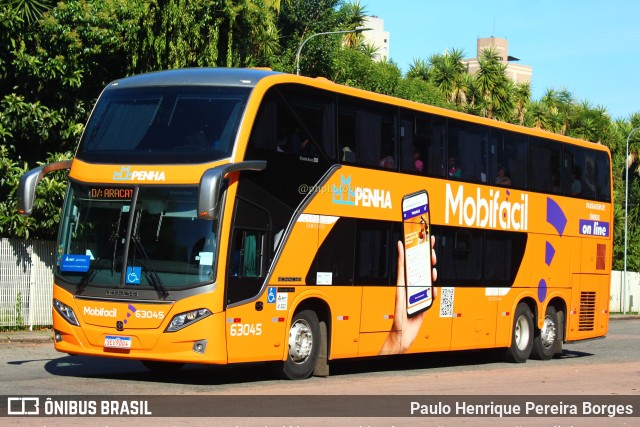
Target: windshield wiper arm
(154, 279)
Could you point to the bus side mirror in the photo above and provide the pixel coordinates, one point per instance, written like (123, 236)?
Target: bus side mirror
(29, 181)
(211, 185)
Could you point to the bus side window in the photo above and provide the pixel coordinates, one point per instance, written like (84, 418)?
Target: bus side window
(545, 171)
(467, 151)
(422, 139)
(374, 251)
(603, 191)
(509, 159)
(368, 130)
(574, 160)
(335, 256)
(249, 251)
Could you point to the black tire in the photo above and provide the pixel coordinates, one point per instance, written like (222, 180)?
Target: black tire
(546, 339)
(304, 346)
(561, 332)
(521, 335)
(162, 367)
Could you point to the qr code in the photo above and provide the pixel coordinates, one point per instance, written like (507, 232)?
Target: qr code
(446, 302)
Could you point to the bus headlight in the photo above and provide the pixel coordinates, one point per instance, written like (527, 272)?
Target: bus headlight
(183, 320)
(66, 312)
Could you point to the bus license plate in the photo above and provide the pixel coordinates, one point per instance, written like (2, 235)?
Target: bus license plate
(113, 341)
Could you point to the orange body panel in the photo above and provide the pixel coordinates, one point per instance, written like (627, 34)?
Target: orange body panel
(565, 266)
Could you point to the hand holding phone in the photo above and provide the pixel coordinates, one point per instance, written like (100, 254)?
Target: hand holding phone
(417, 251)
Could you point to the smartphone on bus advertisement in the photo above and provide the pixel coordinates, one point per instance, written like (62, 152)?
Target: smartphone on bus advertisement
(417, 252)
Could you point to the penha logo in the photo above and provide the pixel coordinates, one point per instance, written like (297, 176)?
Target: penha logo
(126, 174)
(366, 197)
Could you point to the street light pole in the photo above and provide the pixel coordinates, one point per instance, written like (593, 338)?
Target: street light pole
(357, 30)
(626, 221)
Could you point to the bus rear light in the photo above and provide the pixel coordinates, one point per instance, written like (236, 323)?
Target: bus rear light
(185, 319)
(66, 312)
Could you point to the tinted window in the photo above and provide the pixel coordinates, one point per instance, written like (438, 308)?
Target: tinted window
(472, 257)
(367, 133)
(467, 151)
(422, 139)
(375, 253)
(249, 251)
(291, 140)
(574, 169)
(336, 254)
(545, 168)
(603, 177)
(509, 159)
(163, 125)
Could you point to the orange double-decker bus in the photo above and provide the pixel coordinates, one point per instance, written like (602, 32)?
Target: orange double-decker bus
(223, 216)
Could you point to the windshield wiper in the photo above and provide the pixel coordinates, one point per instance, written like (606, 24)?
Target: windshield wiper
(113, 238)
(152, 276)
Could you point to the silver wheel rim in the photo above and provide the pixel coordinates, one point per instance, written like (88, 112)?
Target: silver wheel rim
(548, 332)
(300, 341)
(522, 332)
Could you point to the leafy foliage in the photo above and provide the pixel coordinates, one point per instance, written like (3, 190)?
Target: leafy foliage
(56, 58)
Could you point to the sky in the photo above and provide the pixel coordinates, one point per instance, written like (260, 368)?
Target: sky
(589, 47)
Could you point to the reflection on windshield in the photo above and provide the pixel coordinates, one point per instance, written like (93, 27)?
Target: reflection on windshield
(163, 125)
(166, 245)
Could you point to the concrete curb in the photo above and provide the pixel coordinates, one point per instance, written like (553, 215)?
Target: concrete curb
(39, 336)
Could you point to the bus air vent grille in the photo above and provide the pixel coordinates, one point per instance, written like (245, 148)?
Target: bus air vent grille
(587, 311)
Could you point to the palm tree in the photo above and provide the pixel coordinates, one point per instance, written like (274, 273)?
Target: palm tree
(29, 10)
(560, 104)
(522, 97)
(493, 84)
(368, 49)
(355, 15)
(419, 69)
(447, 73)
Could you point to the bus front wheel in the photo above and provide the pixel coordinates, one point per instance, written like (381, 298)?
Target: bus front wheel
(545, 341)
(521, 335)
(304, 345)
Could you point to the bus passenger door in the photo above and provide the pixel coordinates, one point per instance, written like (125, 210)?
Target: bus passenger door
(252, 334)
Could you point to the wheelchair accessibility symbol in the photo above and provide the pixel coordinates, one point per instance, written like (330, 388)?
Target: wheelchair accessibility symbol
(134, 274)
(271, 296)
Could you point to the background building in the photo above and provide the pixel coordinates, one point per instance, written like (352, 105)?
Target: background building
(515, 71)
(377, 37)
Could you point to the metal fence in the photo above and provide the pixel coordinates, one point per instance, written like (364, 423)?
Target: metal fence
(26, 284)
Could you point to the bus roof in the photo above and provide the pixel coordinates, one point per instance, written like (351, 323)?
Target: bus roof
(250, 78)
(240, 77)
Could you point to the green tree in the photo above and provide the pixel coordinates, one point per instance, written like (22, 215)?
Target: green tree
(197, 33)
(447, 74)
(356, 69)
(52, 70)
(29, 10)
(494, 86)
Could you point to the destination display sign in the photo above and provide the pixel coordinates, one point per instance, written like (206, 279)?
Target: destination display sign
(111, 193)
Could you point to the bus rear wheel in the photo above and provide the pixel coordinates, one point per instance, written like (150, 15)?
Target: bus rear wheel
(521, 335)
(545, 341)
(304, 345)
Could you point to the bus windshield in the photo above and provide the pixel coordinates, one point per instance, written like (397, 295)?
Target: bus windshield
(163, 125)
(152, 233)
